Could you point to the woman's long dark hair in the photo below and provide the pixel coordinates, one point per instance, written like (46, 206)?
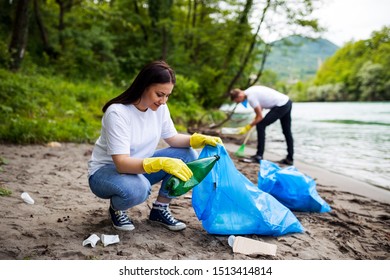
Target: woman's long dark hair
(156, 72)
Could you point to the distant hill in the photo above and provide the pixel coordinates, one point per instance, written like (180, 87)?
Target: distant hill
(298, 58)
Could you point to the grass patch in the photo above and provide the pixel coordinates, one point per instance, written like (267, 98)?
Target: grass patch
(4, 191)
(3, 161)
(37, 109)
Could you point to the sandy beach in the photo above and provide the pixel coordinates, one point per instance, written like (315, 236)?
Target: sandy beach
(65, 213)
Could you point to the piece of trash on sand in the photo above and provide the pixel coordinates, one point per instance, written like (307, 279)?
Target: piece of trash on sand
(109, 239)
(249, 246)
(92, 240)
(54, 144)
(230, 130)
(27, 198)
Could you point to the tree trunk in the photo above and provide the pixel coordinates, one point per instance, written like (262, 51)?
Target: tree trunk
(19, 36)
(61, 24)
(250, 50)
(236, 38)
(165, 40)
(144, 30)
(267, 49)
(190, 24)
(160, 13)
(243, 21)
(195, 42)
(47, 48)
(65, 5)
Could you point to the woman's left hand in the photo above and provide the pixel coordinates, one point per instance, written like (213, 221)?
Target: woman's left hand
(199, 140)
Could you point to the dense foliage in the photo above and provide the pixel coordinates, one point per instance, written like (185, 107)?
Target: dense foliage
(359, 71)
(63, 59)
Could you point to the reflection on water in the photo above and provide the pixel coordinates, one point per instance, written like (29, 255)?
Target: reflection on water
(349, 138)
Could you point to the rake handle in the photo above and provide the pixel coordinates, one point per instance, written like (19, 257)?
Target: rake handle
(248, 135)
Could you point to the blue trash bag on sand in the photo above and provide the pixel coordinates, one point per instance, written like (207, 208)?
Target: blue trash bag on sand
(292, 188)
(228, 203)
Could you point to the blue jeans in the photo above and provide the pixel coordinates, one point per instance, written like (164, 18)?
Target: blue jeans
(129, 190)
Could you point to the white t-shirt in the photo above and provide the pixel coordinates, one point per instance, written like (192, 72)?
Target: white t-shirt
(126, 130)
(266, 97)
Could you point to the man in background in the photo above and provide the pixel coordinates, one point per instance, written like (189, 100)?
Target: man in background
(280, 105)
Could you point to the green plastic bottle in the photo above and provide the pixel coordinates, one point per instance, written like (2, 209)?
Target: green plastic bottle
(200, 168)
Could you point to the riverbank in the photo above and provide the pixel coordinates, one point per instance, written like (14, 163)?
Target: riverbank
(66, 212)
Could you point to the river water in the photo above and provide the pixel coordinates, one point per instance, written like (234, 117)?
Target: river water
(349, 138)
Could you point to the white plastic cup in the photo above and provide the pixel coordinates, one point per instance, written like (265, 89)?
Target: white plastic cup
(231, 240)
(109, 239)
(92, 240)
(27, 198)
(230, 130)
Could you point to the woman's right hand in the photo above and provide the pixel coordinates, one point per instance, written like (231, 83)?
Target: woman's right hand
(173, 166)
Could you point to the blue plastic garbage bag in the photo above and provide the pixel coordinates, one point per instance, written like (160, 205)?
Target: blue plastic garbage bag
(228, 203)
(292, 188)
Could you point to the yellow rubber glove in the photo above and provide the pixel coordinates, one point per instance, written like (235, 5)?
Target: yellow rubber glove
(245, 129)
(199, 140)
(173, 166)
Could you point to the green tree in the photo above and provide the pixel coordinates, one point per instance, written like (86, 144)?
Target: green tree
(372, 83)
(358, 71)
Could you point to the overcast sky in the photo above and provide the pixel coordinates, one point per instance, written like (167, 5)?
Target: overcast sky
(348, 20)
